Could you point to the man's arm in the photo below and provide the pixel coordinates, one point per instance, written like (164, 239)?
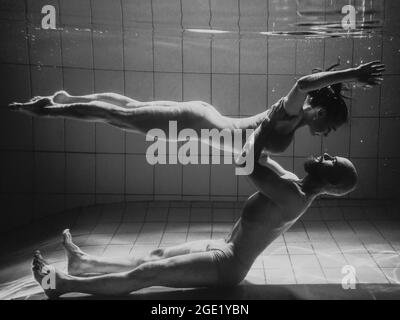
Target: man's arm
(268, 176)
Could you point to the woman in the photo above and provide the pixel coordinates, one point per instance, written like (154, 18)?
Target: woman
(314, 101)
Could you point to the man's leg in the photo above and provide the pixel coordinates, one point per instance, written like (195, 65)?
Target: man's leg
(80, 262)
(185, 271)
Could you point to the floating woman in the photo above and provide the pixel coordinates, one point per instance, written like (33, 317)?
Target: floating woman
(315, 101)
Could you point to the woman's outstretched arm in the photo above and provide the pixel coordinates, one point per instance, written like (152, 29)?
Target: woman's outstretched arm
(369, 74)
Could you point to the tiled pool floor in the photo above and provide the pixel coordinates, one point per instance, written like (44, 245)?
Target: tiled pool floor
(329, 237)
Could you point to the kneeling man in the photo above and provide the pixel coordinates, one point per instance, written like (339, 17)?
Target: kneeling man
(280, 201)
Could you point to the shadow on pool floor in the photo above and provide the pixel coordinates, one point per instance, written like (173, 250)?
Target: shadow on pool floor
(257, 292)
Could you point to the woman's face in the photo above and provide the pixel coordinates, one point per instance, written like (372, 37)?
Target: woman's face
(317, 121)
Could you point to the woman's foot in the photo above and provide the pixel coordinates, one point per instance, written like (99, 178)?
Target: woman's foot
(49, 278)
(35, 107)
(78, 261)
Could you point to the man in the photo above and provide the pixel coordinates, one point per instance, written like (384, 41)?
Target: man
(280, 201)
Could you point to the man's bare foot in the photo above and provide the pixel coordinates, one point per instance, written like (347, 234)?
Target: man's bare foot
(78, 261)
(61, 97)
(34, 107)
(49, 278)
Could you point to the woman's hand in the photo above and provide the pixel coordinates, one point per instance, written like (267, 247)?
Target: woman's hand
(370, 74)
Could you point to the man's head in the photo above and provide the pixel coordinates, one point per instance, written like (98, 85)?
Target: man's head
(334, 176)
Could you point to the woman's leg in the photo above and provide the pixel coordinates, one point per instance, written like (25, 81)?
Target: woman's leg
(80, 262)
(184, 271)
(136, 116)
(63, 97)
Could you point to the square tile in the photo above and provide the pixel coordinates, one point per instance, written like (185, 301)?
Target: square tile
(177, 227)
(223, 180)
(331, 260)
(225, 55)
(277, 262)
(223, 215)
(167, 54)
(296, 236)
(253, 55)
(195, 13)
(196, 54)
(342, 48)
(338, 142)
(75, 12)
(196, 179)
(253, 94)
(367, 170)
(173, 238)
(139, 175)
(390, 260)
(17, 172)
(309, 55)
(364, 137)
(225, 93)
(49, 172)
(281, 59)
(225, 14)
(300, 248)
(138, 51)
(304, 261)
(198, 236)
(80, 173)
(168, 86)
(197, 87)
(156, 214)
(392, 274)
(310, 276)
(306, 144)
(16, 50)
(179, 214)
(77, 49)
(136, 11)
(200, 214)
(360, 260)
(110, 173)
(280, 277)
(365, 102)
(117, 250)
(107, 50)
(388, 176)
(387, 145)
(370, 275)
(391, 53)
(166, 12)
(334, 275)
(107, 12)
(123, 239)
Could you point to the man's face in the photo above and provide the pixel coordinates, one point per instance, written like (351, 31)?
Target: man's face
(322, 166)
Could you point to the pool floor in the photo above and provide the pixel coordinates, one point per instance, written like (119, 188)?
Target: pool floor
(306, 262)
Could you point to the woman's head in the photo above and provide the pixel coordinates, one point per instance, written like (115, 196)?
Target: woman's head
(326, 109)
